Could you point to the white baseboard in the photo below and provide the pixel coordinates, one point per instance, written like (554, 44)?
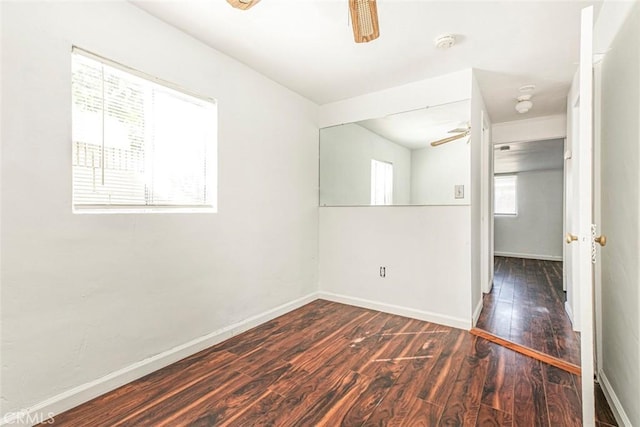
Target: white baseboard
(575, 325)
(476, 312)
(529, 256)
(567, 308)
(454, 322)
(71, 398)
(614, 402)
(486, 288)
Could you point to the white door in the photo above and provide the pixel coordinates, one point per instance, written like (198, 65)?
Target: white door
(580, 203)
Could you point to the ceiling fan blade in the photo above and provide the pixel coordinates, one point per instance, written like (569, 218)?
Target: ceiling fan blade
(458, 130)
(461, 129)
(364, 20)
(450, 139)
(243, 4)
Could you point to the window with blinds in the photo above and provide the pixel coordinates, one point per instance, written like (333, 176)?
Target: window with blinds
(139, 144)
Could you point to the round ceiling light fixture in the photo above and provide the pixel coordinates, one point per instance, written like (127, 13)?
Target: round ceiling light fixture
(444, 41)
(524, 104)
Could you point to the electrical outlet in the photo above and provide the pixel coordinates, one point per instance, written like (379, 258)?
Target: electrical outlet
(459, 191)
(383, 271)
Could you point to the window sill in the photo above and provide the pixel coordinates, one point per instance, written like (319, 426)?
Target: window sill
(143, 210)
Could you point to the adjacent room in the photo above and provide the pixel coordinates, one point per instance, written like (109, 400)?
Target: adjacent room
(319, 213)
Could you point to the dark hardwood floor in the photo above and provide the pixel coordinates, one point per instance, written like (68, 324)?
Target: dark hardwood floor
(526, 305)
(328, 364)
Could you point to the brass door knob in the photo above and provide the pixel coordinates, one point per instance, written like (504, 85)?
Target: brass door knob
(602, 240)
(571, 237)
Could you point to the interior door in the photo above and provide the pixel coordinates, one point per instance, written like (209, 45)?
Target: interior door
(582, 203)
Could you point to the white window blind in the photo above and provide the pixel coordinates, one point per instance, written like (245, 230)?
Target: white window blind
(381, 183)
(137, 142)
(506, 200)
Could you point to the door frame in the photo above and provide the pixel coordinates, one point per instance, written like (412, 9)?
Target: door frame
(486, 206)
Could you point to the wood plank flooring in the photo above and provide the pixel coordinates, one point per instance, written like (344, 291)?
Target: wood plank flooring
(329, 364)
(526, 306)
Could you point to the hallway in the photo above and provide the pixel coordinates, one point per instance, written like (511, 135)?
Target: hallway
(526, 305)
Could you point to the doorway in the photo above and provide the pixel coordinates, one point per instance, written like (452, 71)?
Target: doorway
(526, 306)
(527, 302)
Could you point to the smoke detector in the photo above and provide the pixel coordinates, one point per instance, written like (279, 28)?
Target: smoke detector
(524, 104)
(444, 41)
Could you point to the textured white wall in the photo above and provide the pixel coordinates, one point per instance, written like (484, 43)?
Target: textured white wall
(536, 232)
(346, 152)
(621, 216)
(439, 90)
(86, 295)
(426, 249)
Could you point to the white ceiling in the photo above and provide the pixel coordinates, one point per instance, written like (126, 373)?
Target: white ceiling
(307, 45)
(529, 156)
(416, 129)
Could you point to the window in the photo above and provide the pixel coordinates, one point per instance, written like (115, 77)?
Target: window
(139, 145)
(381, 183)
(506, 195)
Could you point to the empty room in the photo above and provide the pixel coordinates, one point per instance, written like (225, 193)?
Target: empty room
(319, 213)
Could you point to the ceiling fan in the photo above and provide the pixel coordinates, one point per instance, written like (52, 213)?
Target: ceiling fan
(243, 4)
(461, 133)
(364, 17)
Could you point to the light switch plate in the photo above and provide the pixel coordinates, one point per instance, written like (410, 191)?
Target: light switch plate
(459, 191)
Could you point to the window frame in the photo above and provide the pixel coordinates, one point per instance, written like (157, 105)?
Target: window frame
(211, 156)
(515, 181)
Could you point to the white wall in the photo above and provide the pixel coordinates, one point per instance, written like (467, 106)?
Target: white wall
(535, 129)
(536, 232)
(439, 90)
(346, 152)
(620, 166)
(425, 249)
(435, 171)
(86, 295)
